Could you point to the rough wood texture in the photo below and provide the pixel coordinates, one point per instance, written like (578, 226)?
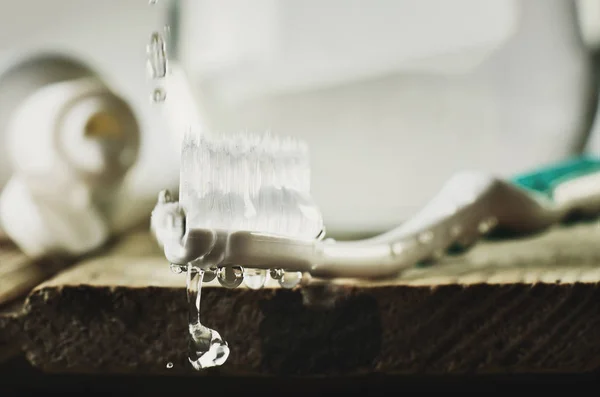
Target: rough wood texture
(20, 274)
(10, 330)
(523, 306)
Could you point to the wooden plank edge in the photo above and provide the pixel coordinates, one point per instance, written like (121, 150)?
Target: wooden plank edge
(450, 329)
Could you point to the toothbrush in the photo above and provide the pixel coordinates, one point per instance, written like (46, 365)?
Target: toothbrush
(245, 201)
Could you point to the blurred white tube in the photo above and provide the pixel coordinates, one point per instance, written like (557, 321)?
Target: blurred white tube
(70, 145)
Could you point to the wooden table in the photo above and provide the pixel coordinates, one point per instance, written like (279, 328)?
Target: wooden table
(529, 305)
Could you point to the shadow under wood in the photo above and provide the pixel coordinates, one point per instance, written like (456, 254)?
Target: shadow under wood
(17, 376)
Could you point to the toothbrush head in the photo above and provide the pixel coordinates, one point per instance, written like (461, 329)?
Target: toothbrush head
(247, 182)
(235, 192)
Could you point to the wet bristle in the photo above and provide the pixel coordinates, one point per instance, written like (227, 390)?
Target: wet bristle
(257, 182)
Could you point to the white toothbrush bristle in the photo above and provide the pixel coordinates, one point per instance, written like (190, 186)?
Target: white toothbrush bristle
(248, 182)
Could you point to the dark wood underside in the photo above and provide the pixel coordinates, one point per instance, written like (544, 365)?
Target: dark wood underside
(531, 305)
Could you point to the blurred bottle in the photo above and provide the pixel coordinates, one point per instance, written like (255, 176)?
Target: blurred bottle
(393, 97)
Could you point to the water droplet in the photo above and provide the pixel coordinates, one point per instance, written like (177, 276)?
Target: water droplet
(157, 56)
(210, 274)
(159, 95)
(487, 225)
(276, 274)
(230, 276)
(206, 347)
(255, 278)
(169, 365)
(455, 231)
(425, 237)
(482, 227)
(290, 279)
(397, 248)
(177, 269)
(152, 2)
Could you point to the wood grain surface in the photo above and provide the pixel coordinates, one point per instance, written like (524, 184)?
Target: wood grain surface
(19, 274)
(529, 305)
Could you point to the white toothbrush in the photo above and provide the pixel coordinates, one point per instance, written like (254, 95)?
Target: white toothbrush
(245, 201)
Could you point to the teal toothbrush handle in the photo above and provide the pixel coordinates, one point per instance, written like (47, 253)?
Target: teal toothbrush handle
(545, 180)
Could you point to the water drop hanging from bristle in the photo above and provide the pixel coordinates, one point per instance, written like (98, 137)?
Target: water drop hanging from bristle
(276, 274)
(210, 274)
(255, 278)
(290, 279)
(230, 276)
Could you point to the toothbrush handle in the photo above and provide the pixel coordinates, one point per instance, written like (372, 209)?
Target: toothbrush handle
(580, 194)
(464, 201)
(528, 204)
(572, 185)
(468, 206)
(546, 179)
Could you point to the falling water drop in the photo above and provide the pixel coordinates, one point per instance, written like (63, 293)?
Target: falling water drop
(159, 95)
(206, 347)
(169, 365)
(157, 56)
(230, 276)
(290, 279)
(255, 278)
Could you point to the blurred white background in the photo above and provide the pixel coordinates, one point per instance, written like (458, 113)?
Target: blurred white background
(392, 96)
